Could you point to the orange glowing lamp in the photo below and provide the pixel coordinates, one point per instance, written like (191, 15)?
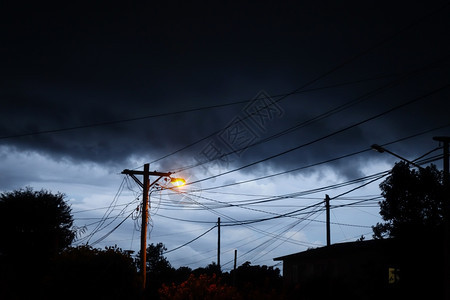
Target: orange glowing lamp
(177, 182)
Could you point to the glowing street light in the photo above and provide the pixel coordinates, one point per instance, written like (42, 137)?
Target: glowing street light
(177, 182)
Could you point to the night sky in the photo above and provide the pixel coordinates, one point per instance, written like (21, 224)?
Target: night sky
(220, 94)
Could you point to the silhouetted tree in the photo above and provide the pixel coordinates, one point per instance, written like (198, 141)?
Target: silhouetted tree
(210, 269)
(86, 272)
(257, 282)
(413, 202)
(207, 287)
(181, 274)
(413, 213)
(156, 261)
(35, 222)
(34, 227)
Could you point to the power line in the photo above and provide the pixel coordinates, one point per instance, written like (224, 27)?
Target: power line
(242, 204)
(222, 129)
(106, 214)
(185, 244)
(312, 191)
(272, 241)
(324, 162)
(112, 230)
(97, 208)
(326, 114)
(166, 114)
(273, 238)
(332, 70)
(328, 135)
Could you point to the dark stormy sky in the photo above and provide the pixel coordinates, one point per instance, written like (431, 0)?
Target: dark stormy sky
(89, 90)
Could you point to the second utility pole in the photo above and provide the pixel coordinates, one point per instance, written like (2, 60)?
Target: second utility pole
(218, 242)
(446, 182)
(327, 206)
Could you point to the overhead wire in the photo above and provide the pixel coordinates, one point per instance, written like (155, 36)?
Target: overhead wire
(244, 203)
(419, 160)
(165, 114)
(330, 71)
(247, 224)
(297, 194)
(290, 213)
(273, 241)
(187, 243)
(326, 136)
(270, 242)
(301, 243)
(111, 231)
(277, 236)
(324, 115)
(325, 161)
(106, 214)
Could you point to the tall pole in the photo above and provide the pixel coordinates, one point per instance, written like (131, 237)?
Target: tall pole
(144, 225)
(446, 140)
(218, 242)
(235, 259)
(145, 203)
(327, 206)
(234, 267)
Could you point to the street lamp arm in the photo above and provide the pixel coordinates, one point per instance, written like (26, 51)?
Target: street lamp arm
(380, 149)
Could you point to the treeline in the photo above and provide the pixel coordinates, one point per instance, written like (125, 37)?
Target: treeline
(38, 262)
(209, 282)
(112, 273)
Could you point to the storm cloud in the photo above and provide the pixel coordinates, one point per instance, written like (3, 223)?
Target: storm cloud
(265, 87)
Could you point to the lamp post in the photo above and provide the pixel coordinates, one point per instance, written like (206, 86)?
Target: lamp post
(146, 185)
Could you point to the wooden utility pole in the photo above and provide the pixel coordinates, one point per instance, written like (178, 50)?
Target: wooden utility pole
(235, 259)
(234, 267)
(446, 141)
(145, 205)
(327, 206)
(218, 242)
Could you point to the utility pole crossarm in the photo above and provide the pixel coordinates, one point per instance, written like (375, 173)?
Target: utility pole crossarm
(151, 173)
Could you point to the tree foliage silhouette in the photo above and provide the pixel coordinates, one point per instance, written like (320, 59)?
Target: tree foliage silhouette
(84, 271)
(35, 226)
(208, 287)
(36, 222)
(156, 261)
(413, 202)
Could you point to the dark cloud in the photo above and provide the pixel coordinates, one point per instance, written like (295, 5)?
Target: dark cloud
(75, 66)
